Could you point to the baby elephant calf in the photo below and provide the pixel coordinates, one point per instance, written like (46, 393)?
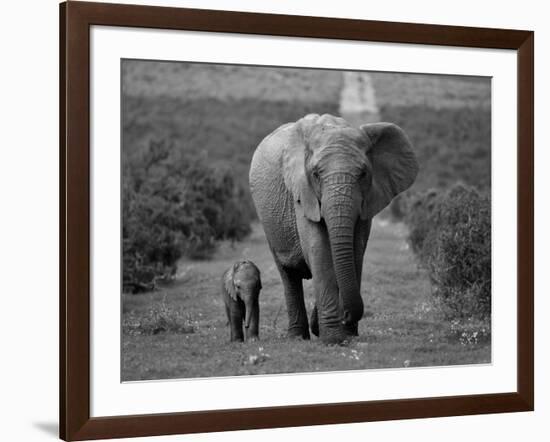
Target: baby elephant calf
(241, 285)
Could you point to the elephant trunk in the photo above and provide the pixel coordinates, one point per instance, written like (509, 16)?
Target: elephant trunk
(340, 217)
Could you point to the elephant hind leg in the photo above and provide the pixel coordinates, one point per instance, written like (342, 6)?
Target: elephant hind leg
(294, 296)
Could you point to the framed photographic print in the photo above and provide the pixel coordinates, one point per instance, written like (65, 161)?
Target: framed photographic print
(272, 221)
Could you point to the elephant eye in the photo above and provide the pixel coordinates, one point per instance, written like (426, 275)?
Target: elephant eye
(316, 174)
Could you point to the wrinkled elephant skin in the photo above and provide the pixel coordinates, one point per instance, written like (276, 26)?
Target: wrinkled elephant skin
(316, 185)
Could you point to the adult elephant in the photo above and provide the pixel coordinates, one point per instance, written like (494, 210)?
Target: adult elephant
(316, 185)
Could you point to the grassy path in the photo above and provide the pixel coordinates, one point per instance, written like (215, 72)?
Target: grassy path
(181, 331)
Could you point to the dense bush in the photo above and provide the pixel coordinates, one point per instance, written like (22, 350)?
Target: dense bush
(419, 214)
(451, 234)
(174, 205)
(228, 131)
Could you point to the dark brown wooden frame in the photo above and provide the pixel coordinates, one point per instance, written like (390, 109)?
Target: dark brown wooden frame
(75, 21)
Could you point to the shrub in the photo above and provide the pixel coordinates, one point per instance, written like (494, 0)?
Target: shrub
(158, 319)
(451, 234)
(419, 209)
(174, 205)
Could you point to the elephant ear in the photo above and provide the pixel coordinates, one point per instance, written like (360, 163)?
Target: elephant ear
(295, 154)
(394, 165)
(228, 283)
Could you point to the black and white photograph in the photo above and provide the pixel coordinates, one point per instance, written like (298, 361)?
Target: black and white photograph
(293, 220)
(276, 220)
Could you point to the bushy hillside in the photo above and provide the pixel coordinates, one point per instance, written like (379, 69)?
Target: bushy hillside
(447, 118)
(431, 90)
(451, 144)
(208, 119)
(448, 209)
(190, 81)
(222, 112)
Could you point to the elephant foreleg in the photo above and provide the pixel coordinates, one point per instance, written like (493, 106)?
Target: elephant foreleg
(330, 286)
(326, 318)
(314, 321)
(295, 305)
(236, 316)
(252, 331)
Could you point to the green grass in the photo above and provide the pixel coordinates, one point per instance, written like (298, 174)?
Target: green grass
(401, 327)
